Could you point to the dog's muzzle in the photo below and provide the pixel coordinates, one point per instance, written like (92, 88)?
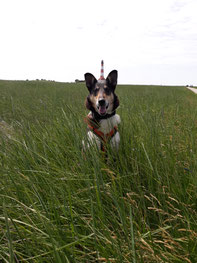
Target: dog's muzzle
(102, 106)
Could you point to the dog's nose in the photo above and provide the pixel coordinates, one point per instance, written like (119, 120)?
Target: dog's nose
(101, 102)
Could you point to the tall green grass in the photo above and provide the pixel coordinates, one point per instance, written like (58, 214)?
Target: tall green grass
(59, 204)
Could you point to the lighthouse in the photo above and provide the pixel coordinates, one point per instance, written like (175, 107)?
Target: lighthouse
(102, 71)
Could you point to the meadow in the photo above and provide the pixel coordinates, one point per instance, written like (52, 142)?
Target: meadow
(58, 204)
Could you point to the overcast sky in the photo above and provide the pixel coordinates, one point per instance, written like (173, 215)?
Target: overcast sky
(147, 41)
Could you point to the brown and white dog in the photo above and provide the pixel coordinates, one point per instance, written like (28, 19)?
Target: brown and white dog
(102, 102)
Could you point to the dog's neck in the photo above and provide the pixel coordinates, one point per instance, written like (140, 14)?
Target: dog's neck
(97, 117)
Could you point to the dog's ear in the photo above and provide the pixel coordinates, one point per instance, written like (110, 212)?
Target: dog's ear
(90, 81)
(116, 102)
(112, 79)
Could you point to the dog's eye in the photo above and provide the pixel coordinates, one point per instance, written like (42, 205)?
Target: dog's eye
(107, 91)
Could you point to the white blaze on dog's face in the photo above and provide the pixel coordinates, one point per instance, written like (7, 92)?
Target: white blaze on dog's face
(102, 96)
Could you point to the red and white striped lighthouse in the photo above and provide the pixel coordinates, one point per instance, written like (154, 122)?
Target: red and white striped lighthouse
(102, 70)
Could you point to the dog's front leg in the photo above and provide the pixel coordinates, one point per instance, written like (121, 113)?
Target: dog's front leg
(115, 141)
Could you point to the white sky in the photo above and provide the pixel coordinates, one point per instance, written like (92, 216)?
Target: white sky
(147, 41)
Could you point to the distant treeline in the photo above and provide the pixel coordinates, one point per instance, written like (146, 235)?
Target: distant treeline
(78, 80)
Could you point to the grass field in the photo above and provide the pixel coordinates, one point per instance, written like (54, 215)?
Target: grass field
(57, 205)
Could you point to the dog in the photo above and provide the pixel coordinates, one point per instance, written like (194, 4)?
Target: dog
(102, 120)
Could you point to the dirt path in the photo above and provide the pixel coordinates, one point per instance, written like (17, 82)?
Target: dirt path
(192, 89)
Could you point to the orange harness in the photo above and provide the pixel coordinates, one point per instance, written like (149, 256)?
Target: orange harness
(104, 137)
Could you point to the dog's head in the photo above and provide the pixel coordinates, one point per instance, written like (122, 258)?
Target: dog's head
(102, 98)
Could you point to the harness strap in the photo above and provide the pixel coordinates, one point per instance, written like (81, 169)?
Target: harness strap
(101, 135)
(104, 137)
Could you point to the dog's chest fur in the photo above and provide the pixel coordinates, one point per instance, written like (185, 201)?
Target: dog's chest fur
(105, 126)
